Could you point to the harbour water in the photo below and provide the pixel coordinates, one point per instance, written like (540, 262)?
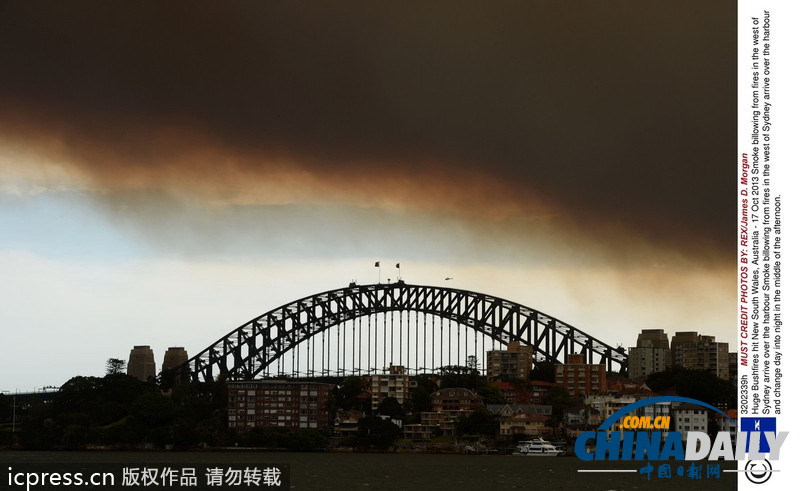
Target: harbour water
(415, 471)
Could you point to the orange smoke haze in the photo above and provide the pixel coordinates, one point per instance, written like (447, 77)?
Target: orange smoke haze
(530, 119)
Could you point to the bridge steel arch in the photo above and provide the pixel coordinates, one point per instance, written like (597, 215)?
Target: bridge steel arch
(246, 351)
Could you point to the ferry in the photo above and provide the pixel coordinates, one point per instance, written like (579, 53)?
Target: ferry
(537, 448)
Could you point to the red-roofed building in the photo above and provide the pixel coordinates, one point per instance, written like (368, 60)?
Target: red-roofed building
(624, 387)
(455, 399)
(532, 392)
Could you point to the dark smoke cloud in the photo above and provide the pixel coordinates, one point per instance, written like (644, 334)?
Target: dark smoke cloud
(616, 119)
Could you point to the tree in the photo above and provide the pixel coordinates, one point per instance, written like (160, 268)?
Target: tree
(347, 395)
(559, 399)
(544, 371)
(305, 440)
(426, 383)
(121, 410)
(5, 407)
(166, 379)
(374, 431)
(697, 384)
(453, 376)
(114, 366)
(490, 393)
(420, 400)
(389, 406)
(481, 421)
(152, 409)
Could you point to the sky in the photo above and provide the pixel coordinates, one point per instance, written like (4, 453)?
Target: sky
(170, 170)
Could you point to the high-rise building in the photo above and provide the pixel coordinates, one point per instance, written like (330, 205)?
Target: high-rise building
(514, 362)
(581, 378)
(141, 363)
(265, 403)
(652, 338)
(733, 365)
(698, 352)
(683, 337)
(173, 358)
(395, 384)
(651, 354)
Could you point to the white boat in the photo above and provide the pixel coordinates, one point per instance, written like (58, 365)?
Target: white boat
(536, 448)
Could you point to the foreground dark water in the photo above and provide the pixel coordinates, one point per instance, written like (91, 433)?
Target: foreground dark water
(413, 471)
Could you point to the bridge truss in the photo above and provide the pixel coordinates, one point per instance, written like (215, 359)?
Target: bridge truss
(363, 329)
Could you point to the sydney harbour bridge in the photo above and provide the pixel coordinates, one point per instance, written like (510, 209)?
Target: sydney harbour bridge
(363, 329)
